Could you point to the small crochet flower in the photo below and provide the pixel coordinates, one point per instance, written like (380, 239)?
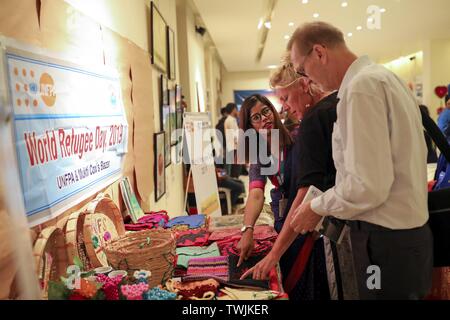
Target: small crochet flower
(87, 289)
(159, 294)
(142, 275)
(110, 286)
(134, 291)
(76, 296)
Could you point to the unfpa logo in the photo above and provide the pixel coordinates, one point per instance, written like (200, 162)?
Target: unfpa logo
(47, 89)
(28, 89)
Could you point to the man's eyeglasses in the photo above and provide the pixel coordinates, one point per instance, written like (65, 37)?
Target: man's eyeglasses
(301, 70)
(257, 117)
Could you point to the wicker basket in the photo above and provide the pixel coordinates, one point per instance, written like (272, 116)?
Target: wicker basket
(152, 250)
(51, 257)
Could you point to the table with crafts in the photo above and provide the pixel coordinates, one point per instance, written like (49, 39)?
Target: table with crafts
(153, 258)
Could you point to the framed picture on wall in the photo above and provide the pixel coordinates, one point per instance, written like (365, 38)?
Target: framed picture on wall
(165, 118)
(171, 54)
(173, 116)
(159, 39)
(179, 107)
(160, 168)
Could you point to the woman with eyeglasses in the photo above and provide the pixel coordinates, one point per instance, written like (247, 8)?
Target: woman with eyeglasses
(310, 163)
(259, 120)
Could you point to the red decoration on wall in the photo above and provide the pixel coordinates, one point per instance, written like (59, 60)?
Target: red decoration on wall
(441, 91)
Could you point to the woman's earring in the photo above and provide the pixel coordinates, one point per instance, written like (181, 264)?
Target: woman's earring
(307, 106)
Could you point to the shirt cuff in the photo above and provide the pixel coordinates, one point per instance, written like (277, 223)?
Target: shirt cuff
(318, 206)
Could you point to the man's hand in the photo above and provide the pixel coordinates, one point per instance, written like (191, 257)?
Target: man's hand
(246, 246)
(305, 219)
(262, 269)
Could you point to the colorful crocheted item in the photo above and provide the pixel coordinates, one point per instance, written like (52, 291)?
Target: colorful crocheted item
(184, 254)
(159, 294)
(189, 222)
(110, 286)
(134, 291)
(87, 289)
(230, 247)
(195, 289)
(149, 221)
(76, 296)
(260, 233)
(205, 268)
(192, 238)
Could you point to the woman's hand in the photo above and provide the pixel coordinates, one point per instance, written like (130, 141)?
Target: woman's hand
(262, 269)
(245, 246)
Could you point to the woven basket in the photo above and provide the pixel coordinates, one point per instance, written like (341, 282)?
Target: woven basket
(152, 250)
(50, 245)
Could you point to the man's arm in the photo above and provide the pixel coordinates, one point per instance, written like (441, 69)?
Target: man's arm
(368, 173)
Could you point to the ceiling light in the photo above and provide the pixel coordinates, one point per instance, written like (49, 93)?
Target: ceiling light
(349, 34)
(286, 37)
(316, 15)
(359, 28)
(344, 4)
(268, 24)
(272, 66)
(291, 24)
(304, 1)
(382, 10)
(260, 24)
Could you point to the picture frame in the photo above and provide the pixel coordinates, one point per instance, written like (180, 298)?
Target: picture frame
(165, 117)
(173, 116)
(159, 166)
(179, 107)
(171, 54)
(158, 43)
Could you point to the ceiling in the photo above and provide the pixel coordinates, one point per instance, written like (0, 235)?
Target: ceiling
(405, 26)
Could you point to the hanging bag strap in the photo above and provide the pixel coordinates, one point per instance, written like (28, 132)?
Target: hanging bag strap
(436, 135)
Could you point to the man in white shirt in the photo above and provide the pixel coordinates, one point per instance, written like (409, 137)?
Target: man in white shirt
(381, 161)
(231, 138)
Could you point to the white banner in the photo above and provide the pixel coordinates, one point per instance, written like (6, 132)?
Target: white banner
(197, 128)
(70, 130)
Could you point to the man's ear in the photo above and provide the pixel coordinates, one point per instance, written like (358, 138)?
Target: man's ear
(321, 53)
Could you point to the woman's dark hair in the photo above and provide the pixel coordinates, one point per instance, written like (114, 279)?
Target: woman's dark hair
(245, 122)
(447, 97)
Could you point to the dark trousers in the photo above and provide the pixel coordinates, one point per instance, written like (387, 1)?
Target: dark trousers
(233, 170)
(236, 187)
(404, 258)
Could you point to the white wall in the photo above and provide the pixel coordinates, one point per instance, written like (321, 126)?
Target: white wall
(131, 19)
(439, 72)
(243, 81)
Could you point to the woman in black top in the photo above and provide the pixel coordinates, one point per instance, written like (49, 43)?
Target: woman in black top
(310, 163)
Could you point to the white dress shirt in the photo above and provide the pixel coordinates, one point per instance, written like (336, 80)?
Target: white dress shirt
(231, 133)
(379, 152)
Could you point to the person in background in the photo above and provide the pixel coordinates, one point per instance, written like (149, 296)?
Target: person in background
(444, 118)
(184, 104)
(231, 136)
(220, 127)
(381, 179)
(432, 155)
(236, 186)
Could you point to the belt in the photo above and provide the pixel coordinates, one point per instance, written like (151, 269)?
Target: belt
(366, 226)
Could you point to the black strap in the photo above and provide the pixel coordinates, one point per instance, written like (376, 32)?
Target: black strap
(436, 134)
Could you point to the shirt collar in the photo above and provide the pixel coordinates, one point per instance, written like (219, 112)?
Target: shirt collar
(352, 71)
